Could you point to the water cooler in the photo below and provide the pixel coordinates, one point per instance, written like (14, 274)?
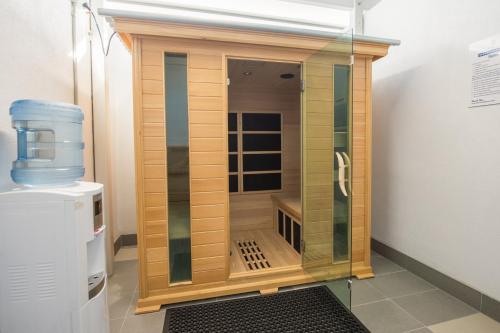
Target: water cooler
(52, 260)
(52, 236)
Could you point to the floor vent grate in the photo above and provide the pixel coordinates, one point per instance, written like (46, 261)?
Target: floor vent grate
(252, 255)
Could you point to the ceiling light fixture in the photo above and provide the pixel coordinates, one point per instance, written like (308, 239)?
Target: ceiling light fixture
(247, 73)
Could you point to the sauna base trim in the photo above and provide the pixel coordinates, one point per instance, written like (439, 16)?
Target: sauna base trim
(147, 309)
(362, 272)
(365, 276)
(269, 291)
(233, 287)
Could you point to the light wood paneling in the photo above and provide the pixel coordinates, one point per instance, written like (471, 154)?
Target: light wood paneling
(150, 157)
(208, 198)
(277, 252)
(207, 185)
(204, 61)
(153, 116)
(208, 158)
(152, 86)
(152, 72)
(209, 276)
(157, 254)
(154, 185)
(208, 103)
(208, 224)
(210, 250)
(154, 171)
(150, 128)
(157, 282)
(361, 158)
(155, 227)
(157, 240)
(208, 264)
(208, 167)
(206, 117)
(157, 268)
(208, 150)
(208, 237)
(154, 130)
(211, 145)
(155, 213)
(317, 190)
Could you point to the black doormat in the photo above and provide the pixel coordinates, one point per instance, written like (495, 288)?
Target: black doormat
(309, 310)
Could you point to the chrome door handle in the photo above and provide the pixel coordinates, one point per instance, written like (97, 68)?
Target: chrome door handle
(342, 167)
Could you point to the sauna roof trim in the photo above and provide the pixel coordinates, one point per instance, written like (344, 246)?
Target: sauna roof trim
(261, 27)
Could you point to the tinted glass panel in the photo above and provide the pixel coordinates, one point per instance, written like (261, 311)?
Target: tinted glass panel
(288, 229)
(232, 123)
(233, 163)
(233, 183)
(261, 162)
(341, 227)
(261, 142)
(261, 122)
(296, 236)
(176, 118)
(281, 223)
(262, 182)
(233, 142)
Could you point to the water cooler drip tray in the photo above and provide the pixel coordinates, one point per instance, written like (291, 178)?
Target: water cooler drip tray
(96, 283)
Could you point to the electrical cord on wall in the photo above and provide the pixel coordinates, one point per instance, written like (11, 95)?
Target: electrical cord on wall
(105, 51)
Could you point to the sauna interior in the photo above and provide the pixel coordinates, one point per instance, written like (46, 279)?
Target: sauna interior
(264, 140)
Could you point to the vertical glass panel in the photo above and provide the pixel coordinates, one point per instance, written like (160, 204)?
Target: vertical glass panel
(341, 127)
(326, 107)
(176, 118)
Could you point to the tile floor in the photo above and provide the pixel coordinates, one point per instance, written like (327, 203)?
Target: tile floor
(395, 301)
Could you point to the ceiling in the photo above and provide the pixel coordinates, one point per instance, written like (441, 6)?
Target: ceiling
(326, 3)
(366, 4)
(265, 75)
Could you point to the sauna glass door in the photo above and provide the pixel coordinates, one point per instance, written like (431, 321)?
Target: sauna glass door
(326, 166)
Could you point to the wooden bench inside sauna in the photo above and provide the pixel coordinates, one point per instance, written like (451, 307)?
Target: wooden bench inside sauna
(253, 158)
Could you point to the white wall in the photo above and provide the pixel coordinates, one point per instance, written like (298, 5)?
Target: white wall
(120, 107)
(36, 62)
(436, 176)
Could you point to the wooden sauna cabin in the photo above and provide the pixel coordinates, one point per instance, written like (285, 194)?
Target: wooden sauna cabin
(252, 154)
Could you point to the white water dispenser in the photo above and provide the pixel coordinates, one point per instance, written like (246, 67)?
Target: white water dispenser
(52, 260)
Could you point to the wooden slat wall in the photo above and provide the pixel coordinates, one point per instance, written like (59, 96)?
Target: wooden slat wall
(249, 211)
(154, 176)
(361, 189)
(208, 151)
(318, 162)
(208, 174)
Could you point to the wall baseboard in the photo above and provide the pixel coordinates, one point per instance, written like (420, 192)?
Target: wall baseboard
(124, 240)
(471, 296)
